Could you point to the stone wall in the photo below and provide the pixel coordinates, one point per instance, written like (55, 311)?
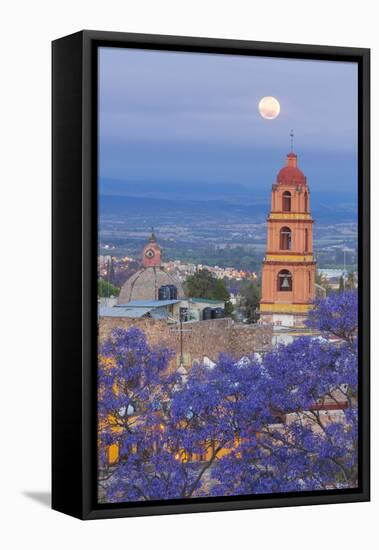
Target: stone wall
(200, 339)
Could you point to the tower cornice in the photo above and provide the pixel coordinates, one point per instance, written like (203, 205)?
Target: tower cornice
(289, 258)
(291, 264)
(293, 308)
(290, 216)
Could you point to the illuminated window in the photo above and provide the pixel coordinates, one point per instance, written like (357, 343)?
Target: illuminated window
(285, 238)
(285, 280)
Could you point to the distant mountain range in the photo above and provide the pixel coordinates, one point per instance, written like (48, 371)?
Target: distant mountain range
(120, 199)
(171, 190)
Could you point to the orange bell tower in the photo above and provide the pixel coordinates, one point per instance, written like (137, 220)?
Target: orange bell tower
(289, 269)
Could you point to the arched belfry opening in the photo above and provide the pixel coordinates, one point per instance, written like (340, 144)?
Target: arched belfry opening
(286, 201)
(284, 281)
(285, 238)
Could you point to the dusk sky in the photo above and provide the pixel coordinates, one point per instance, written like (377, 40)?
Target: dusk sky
(191, 117)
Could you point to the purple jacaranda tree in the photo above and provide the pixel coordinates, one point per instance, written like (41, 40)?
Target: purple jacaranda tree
(169, 428)
(134, 386)
(336, 315)
(285, 422)
(310, 389)
(304, 435)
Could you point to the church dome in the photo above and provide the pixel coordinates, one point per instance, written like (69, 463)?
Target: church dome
(145, 284)
(291, 173)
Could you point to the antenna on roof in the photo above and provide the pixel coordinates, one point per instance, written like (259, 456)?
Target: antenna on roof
(292, 136)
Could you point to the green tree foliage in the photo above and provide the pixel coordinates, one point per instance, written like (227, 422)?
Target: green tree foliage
(203, 285)
(200, 285)
(351, 281)
(220, 291)
(110, 270)
(341, 286)
(348, 282)
(105, 289)
(323, 281)
(250, 293)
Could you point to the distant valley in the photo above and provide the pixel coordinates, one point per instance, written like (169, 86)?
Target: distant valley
(119, 199)
(215, 224)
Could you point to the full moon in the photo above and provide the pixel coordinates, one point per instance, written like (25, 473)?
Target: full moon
(269, 108)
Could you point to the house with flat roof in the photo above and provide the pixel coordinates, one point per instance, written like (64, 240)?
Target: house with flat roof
(136, 309)
(191, 309)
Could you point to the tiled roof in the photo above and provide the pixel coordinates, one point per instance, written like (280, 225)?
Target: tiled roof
(291, 174)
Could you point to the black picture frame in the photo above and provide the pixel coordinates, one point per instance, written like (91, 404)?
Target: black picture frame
(74, 333)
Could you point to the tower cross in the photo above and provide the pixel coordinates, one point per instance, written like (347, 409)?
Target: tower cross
(292, 136)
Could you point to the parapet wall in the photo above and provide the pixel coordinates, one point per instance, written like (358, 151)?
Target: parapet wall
(200, 339)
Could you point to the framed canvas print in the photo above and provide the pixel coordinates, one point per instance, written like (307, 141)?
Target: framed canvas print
(210, 274)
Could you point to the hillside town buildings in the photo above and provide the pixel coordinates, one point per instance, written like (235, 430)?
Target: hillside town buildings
(153, 298)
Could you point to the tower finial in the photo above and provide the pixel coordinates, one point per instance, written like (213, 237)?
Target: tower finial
(152, 238)
(292, 136)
